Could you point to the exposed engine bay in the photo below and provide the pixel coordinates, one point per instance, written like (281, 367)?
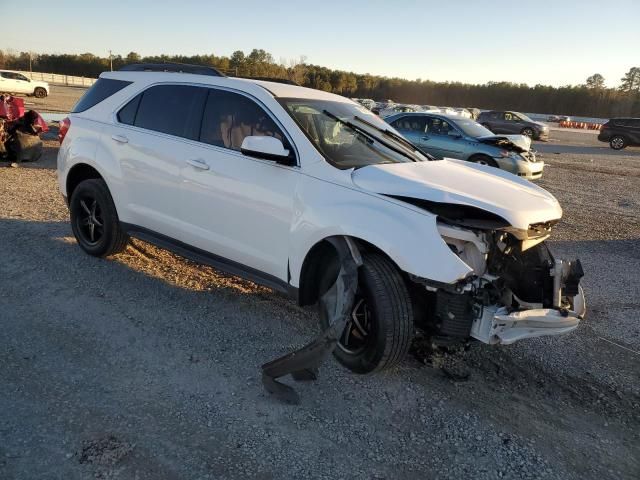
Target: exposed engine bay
(517, 143)
(517, 289)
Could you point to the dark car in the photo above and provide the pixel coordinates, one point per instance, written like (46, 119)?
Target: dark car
(621, 132)
(513, 122)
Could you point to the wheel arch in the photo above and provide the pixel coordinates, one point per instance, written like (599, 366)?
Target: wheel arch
(78, 173)
(319, 254)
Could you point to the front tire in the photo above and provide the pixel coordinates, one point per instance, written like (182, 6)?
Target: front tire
(617, 142)
(94, 219)
(39, 92)
(528, 132)
(379, 332)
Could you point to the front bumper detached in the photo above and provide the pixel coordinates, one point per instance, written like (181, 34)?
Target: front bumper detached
(496, 325)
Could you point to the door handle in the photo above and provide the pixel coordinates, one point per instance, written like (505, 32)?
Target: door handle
(120, 138)
(197, 163)
(425, 137)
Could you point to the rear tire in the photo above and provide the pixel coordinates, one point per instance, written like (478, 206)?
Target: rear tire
(94, 219)
(39, 92)
(617, 142)
(382, 310)
(484, 160)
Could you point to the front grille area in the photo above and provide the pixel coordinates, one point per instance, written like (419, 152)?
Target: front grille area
(455, 314)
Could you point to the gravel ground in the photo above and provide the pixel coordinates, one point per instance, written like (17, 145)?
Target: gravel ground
(146, 366)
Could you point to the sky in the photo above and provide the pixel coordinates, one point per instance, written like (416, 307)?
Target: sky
(548, 42)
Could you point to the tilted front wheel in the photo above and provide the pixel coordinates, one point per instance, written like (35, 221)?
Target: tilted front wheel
(94, 219)
(380, 328)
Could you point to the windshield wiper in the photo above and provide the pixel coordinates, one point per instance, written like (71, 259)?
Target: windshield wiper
(369, 135)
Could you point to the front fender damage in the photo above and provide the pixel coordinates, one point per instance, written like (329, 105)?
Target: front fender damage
(303, 364)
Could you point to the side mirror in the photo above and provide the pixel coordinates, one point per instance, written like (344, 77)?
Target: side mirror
(267, 148)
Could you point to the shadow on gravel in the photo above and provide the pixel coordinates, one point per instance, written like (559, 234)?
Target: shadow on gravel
(154, 343)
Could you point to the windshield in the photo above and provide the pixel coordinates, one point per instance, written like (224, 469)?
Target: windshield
(340, 132)
(522, 116)
(473, 129)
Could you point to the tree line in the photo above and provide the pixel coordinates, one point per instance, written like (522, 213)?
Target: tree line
(592, 98)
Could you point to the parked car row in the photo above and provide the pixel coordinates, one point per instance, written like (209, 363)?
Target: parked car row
(388, 107)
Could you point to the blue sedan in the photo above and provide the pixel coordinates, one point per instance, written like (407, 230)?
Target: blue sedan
(461, 138)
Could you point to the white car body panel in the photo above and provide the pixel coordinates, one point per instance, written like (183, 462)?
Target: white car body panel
(518, 201)
(26, 86)
(268, 217)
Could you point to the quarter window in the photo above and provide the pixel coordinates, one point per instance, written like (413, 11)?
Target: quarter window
(127, 114)
(230, 117)
(172, 109)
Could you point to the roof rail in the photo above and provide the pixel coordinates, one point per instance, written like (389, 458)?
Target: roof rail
(271, 79)
(172, 67)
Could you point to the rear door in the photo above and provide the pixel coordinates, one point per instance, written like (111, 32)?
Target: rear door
(237, 206)
(412, 127)
(153, 137)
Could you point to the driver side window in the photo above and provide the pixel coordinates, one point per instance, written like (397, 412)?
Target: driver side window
(510, 117)
(230, 117)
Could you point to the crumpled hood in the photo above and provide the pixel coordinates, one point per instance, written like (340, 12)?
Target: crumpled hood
(518, 201)
(520, 142)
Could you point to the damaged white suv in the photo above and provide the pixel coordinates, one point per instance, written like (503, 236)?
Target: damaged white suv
(255, 177)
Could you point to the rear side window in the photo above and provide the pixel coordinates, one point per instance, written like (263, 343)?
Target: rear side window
(411, 123)
(172, 109)
(102, 89)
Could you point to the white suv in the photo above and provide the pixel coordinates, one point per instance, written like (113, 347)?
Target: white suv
(15, 82)
(255, 177)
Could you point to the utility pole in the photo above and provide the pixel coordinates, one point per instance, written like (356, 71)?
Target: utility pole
(30, 68)
(110, 61)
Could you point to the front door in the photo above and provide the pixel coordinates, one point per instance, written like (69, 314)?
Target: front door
(237, 206)
(441, 139)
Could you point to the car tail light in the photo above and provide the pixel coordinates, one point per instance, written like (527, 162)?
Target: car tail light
(63, 128)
